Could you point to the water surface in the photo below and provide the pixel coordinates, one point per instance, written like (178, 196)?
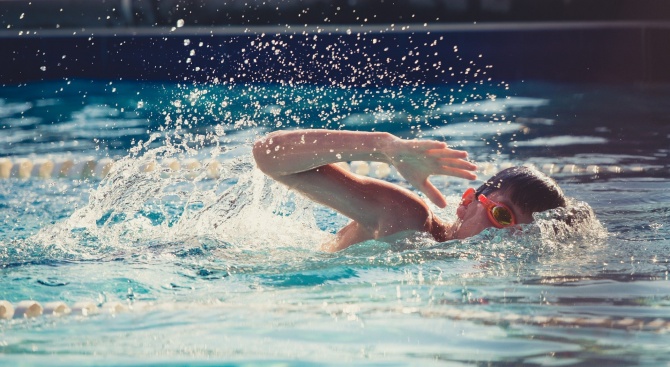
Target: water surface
(228, 269)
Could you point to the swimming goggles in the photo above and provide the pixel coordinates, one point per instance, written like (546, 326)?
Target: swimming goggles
(499, 214)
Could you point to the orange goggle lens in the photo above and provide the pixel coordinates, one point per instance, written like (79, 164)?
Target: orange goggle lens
(499, 214)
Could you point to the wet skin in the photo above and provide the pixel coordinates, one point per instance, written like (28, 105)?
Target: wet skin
(473, 218)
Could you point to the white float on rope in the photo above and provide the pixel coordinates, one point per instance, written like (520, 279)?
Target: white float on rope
(192, 168)
(6, 310)
(27, 309)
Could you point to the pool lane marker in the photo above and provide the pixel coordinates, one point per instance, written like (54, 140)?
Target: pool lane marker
(91, 168)
(28, 309)
(32, 309)
(97, 169)
(56, 308)
(24, 168)
(6, 310)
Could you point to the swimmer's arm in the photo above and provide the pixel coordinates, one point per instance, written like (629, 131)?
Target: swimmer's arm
(378, 208)
(285, 153)
(302, 160)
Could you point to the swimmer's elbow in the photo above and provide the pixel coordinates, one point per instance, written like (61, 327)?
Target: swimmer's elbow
(266, 155)
(261, 153)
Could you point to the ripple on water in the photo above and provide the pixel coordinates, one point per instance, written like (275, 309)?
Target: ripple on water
(229, 268)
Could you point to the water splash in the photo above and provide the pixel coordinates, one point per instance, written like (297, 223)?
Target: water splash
(132, 208)
(147, 213)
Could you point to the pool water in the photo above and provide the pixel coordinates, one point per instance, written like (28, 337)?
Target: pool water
(227, 269)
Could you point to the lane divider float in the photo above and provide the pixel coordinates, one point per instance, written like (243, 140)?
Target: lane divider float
(32, 309)
(93, 168)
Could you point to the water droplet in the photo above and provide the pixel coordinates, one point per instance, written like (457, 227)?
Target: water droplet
(43, 68)
(180, 23)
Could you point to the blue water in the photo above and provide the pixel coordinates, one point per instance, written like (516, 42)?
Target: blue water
(227, 270)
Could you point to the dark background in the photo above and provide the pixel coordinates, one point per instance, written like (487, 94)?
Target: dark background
(618, 41)
(52, 14)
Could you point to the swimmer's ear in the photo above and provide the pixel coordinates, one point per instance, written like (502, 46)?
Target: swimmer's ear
(460, 211)
(462, 208)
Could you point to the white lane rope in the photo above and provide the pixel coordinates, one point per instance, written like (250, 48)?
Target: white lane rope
(31, 309)
(93, 168)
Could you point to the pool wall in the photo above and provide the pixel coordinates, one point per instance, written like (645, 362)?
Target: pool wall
(619, 52)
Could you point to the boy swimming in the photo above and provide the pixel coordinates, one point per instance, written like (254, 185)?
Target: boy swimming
(304, 160)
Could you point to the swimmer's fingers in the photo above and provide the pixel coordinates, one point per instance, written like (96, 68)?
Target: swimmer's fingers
(447, 153)
(433, 193)
(457, 172)
(457, 163)
(427, 144)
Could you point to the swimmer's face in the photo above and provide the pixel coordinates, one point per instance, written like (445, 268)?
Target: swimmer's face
(475, 216)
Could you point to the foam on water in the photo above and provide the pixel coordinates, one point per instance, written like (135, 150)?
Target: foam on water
(132, 207)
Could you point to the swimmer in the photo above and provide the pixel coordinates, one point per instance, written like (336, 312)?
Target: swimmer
(304, 160)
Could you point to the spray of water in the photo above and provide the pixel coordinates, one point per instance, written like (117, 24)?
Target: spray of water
(241, 211)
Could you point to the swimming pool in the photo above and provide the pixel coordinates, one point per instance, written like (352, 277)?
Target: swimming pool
(191, 257)
(203, 270)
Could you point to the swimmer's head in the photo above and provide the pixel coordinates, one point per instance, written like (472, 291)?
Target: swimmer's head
(529, 189)
(508, 198)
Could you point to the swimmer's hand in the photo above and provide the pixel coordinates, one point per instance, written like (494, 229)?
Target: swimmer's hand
(416, 160)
